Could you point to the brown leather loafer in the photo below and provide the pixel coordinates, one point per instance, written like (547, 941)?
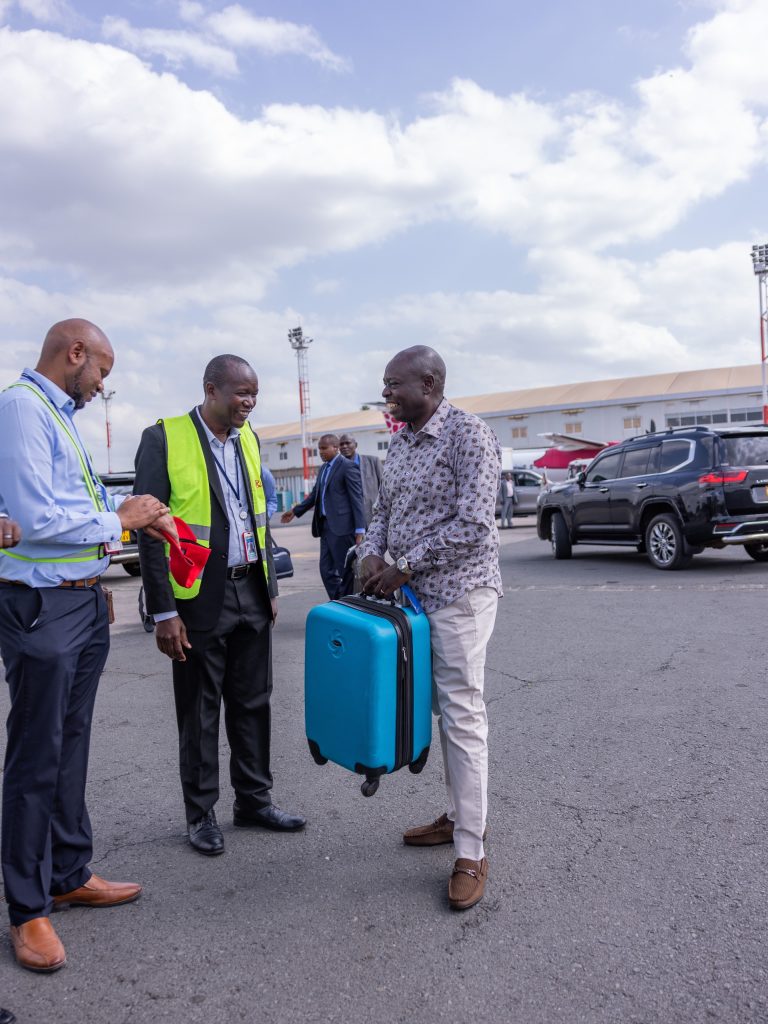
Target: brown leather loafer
(37, 946)
(99, 893)
(467, 883)
(440, 831)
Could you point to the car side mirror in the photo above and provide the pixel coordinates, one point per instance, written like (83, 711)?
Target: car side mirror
(581, 479)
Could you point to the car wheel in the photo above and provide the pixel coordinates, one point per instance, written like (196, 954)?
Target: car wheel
(665, 543)
(132, 568)
(757, 551)
(558, 533)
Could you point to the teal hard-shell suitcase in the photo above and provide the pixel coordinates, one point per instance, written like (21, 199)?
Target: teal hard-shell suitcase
(368, 687)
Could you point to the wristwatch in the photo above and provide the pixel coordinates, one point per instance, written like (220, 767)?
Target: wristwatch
(402, 565)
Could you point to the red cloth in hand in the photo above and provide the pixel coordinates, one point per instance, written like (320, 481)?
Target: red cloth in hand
(187, 557)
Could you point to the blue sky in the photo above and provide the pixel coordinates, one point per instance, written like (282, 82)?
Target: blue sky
(545, 193)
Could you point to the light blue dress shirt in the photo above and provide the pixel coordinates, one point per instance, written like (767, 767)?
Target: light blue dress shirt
(43, 489)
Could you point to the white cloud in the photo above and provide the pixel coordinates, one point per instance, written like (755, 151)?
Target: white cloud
(212, 43)
(189, 10)
(244, 30)
(46, 11)
(176, 46)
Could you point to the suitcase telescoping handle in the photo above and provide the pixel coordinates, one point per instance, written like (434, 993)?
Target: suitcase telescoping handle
(414, 602)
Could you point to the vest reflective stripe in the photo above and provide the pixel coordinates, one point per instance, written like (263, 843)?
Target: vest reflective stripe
(190, 490)
(201, 532)
(89, 554)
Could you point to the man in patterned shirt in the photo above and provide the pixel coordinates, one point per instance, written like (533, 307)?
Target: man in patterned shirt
(435, 516)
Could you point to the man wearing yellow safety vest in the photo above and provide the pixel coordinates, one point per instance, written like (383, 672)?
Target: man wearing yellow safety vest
(206, 466)
(54, 633)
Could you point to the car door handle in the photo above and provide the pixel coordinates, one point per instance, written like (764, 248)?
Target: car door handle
(640, 486)
(603, 490)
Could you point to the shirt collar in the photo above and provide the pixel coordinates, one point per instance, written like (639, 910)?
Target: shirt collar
(434, 424)
(51, 391)
(233, 434)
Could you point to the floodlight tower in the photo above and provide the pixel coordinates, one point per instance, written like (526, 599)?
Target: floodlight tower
(106, 397)
(300, 344)
(760, 266)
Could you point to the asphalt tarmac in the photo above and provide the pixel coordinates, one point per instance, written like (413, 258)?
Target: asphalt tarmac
(627, 828)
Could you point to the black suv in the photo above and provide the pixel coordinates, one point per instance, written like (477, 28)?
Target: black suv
(669, 494)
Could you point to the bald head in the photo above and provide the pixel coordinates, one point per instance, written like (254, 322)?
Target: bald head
(77, 356)
(414, 382)
(424, 361)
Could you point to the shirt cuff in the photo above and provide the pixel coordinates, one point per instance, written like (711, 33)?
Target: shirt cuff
(417, 557)
(163, 616)
(360, 529)
(113, 528)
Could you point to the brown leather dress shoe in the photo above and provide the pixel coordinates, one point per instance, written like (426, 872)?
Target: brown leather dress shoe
(440, 831)
(99, 893)
(37, 946)
(467, 883)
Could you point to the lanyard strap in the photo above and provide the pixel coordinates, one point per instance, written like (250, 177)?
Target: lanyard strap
(234, 487)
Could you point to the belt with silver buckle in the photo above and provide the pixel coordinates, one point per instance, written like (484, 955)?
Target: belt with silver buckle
(236, 572)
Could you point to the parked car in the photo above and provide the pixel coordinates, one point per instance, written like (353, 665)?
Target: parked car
(122, 483)
(669, 494)
(528, 486)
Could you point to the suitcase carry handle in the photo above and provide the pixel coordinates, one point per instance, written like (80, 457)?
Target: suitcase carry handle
(407, 593)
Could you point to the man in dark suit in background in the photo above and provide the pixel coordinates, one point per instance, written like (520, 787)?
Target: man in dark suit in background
(219, 631)
(338, 519)
(370, 472)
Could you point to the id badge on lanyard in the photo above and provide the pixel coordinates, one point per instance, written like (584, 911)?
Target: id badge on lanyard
(249, 546)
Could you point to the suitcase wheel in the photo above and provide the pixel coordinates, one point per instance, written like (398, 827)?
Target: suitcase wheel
(369, 787)
(416, 766)
(314, 750)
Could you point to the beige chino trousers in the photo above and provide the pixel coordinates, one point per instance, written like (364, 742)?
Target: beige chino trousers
(460, 634)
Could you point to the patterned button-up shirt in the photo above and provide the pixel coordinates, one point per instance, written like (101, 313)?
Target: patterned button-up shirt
(436, 506)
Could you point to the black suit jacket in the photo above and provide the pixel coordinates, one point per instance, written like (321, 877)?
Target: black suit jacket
(201, 612)
(343, 500)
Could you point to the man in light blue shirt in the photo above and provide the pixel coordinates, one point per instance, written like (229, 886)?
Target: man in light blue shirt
(54, 634)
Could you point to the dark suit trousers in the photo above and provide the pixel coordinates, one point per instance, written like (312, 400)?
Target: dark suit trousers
(231, 662)
(333, 551)
(54, 643)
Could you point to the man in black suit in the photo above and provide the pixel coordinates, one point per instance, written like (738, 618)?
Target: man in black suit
(219, 631)
(338, 519)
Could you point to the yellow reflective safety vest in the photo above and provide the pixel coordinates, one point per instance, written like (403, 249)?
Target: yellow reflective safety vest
(92, 553)
(190, 490)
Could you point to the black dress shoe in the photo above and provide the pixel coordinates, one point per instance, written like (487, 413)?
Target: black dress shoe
(268, 817)
(205, 835)
(6, 1017)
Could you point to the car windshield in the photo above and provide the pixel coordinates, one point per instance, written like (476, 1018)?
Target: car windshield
(749, 450)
